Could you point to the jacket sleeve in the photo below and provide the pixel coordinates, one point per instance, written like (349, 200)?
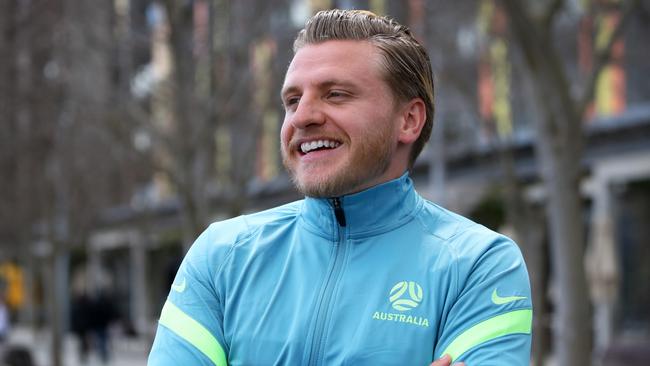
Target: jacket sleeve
(190, 329)
(489, 320)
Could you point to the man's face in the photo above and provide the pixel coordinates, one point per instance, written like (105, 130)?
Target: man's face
(339, 134)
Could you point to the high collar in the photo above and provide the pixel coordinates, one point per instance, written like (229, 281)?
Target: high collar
(372, 211)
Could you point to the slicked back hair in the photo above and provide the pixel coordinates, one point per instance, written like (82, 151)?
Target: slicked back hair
(407, 68)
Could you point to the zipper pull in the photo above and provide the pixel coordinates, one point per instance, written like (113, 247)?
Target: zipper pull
(338, 211)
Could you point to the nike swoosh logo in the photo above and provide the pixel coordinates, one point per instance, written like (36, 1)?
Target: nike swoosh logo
(498, 300)
(180, 287)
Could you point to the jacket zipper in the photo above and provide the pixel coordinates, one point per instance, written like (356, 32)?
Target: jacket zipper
(332, 279)
(338, 212)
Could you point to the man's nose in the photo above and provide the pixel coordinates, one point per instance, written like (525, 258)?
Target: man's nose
(308, 113)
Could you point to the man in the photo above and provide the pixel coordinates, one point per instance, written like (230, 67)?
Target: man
(363, 271)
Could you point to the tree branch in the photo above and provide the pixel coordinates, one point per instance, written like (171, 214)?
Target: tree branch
(603, 56)
(548, 15)
(524, 29)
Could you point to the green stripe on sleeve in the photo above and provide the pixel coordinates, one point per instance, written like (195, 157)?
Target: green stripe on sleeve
(514, 322)
(193, 332)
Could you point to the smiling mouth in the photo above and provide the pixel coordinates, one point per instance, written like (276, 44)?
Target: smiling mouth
(310, 146)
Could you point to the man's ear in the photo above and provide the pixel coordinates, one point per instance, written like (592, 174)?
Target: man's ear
(413, 117)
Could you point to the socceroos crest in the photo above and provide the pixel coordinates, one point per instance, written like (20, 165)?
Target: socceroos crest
(404, 297)
(404, 300)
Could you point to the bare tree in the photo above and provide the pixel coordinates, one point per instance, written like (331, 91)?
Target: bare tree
(59, 160)
(210, 92)
(559, 147)
(76, 163)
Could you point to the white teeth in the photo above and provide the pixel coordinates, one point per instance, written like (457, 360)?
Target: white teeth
(309, 146)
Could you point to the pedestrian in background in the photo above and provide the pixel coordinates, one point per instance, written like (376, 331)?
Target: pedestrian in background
(81, 314)
(18, 356)
(103, 314)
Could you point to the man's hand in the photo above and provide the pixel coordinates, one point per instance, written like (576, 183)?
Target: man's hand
(445, 361)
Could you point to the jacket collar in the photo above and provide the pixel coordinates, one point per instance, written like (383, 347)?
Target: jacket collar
(369, 212)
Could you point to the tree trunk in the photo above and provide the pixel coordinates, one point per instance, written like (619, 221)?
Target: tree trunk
(572, 341)
(529, 228)
(189, 172)
(559, 151)
(58, 296)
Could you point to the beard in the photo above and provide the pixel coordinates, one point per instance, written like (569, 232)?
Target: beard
(365, 162)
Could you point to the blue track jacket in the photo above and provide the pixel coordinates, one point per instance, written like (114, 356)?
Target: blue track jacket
(381, 277)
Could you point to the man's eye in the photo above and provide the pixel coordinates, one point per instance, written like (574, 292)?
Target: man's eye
(291, 101)
(336, 94)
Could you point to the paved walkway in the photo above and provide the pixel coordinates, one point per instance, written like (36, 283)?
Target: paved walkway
(124, 351)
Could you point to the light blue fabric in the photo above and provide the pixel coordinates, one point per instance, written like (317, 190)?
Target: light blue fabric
(397, 285)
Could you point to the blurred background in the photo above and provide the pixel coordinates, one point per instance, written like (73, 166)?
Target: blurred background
(127, 126)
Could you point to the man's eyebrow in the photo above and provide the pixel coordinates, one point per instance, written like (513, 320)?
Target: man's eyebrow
(288, 90)
(336, 82)
(321, 85)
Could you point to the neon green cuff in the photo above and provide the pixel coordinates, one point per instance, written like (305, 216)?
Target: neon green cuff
(514, 322)
(193, 332)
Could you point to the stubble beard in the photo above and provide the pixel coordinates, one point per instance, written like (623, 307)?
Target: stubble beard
(369, 161)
